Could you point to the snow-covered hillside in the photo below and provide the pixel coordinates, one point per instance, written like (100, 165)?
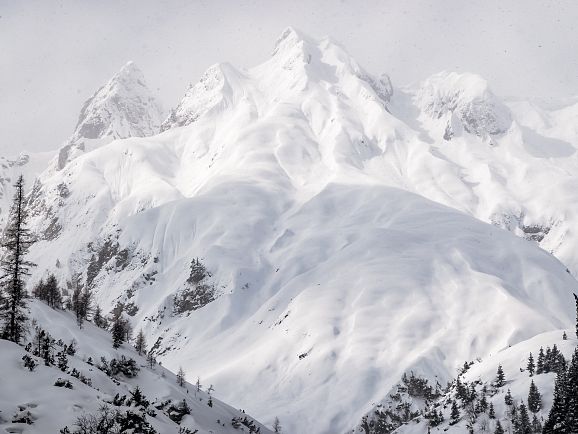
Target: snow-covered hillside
(482, 373)
(302, 233)
(48, 398)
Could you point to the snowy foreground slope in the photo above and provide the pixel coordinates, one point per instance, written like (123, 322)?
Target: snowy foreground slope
(33, 395)
(302, 233)
(514, 361)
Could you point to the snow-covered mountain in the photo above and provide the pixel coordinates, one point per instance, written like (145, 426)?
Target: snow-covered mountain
(78, 382)
(302, 233)
(123, 107)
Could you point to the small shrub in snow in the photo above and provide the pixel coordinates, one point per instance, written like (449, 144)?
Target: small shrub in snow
(29, 362)
(124, 366)
(63, 383)
(111, 421)
(176, 412)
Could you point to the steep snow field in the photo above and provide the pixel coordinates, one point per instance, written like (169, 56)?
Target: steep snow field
(344, 224)
(51, 408)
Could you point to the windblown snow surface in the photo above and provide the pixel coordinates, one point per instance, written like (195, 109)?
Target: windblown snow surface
(352, 230)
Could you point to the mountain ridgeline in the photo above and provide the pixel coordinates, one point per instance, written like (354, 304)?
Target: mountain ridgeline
(321, 245)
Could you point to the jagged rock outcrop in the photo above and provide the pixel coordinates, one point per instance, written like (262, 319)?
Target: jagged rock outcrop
(123, 107)
(467, 99)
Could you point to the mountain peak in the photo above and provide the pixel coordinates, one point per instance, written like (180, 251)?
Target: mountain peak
(466, 98)
(289, 38)
(213, 89)
(123, 107)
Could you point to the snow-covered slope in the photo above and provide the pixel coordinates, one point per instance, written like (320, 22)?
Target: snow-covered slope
(301, 233)
(34, 396)
(482, 372)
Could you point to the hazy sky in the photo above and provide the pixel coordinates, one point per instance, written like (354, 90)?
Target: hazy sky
(55, 54)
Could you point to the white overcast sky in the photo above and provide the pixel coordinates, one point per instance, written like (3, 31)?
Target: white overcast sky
(55, 54)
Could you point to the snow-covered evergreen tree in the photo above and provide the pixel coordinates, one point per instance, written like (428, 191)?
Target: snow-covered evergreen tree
(540, 362)
(181, 377)
(455, 414)
(16, 242)
(556, 422)
(98, 319)
(572, 394)
(499, 429)
(276, 425)
(534, 398)
(118, 332)
(140, 343)
(531, 366)
(500, 377)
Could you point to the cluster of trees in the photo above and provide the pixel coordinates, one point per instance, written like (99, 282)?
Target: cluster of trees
(14, 267)
(563, 416)
(49, 292)
(550, 360)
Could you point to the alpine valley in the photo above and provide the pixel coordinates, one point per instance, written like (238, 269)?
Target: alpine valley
(320, 245)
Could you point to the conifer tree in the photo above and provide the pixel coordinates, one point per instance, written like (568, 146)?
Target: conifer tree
(53, 295)
(564, 336)
(536, 425)
(461, 390)
(151, 361)
(276, 425)
(181, 377)
(531, 366)
(556, 422)
(16, 242)
(455, 414)
(491, 411)
(499, 429)
(77, 306)
(572, 394)
(534, 398)
(483, 404)
(46, 349)
(576, 300)
(140, 343)
(117, 332)
(508, 398)
(500, 377)
(62, 361)
(38, 290)
(98, 319)
(523, 422)
(540, 362)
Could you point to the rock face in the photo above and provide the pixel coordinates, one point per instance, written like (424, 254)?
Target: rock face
(123, 107)
(28, 165)
(467, 99)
